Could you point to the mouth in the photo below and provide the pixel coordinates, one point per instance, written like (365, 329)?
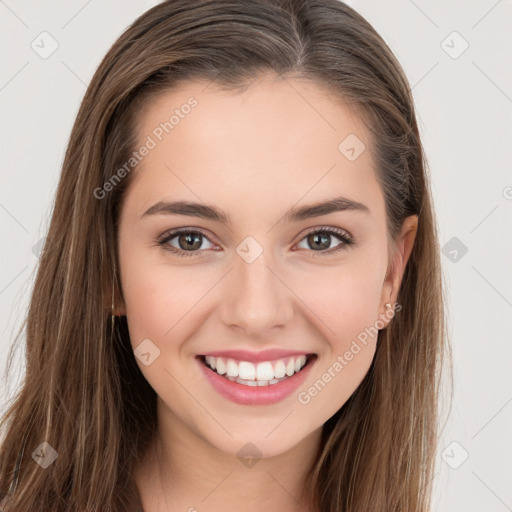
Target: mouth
(264, 373)
(258, 383)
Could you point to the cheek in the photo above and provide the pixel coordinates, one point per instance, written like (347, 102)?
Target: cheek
(157, 300)
(346, 299)
(158, 303)
(348, 307)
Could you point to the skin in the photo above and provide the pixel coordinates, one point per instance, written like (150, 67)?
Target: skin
(255, 155)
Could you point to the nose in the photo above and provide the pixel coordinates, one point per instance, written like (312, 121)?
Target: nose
(256, 300)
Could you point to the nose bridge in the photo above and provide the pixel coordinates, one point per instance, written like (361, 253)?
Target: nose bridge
(258, 300)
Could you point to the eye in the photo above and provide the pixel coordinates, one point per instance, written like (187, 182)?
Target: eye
(319, 240)
(188, 242)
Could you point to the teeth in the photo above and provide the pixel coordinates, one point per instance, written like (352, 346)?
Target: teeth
(257, 382)
(220, 366)
(232, 368)
(246, 371)
(265, 373)
(279, 370)
(300, 362)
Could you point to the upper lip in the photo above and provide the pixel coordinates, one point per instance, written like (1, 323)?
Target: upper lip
(256, 357)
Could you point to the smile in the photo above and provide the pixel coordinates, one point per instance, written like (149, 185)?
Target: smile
(265, 373)
(256, 383)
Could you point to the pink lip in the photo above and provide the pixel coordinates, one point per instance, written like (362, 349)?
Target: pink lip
(255, 357)
(257, 395)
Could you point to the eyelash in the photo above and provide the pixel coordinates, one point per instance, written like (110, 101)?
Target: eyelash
(342, 235)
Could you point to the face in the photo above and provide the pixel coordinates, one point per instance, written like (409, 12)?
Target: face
(247, 273)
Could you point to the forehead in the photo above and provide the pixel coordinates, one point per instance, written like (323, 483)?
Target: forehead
(278, 137)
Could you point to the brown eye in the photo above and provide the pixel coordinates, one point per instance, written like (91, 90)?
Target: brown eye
(190, 241)
(185, 242)
(320, 240)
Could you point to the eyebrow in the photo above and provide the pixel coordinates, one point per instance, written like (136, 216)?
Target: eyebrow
(295, 214)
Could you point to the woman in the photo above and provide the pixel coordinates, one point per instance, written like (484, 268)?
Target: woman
(239, 301)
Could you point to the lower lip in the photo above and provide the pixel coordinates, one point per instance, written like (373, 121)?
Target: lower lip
(255, 395)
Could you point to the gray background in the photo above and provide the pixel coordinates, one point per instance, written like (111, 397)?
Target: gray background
(464, 103)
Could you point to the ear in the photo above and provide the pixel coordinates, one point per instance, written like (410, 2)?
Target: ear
(396, 265)
(119, 306)
(113, 299)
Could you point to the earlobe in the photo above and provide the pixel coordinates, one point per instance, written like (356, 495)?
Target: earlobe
(117, 306)
(118, 310)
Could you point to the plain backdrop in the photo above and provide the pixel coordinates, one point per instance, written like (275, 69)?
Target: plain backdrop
(456, 56)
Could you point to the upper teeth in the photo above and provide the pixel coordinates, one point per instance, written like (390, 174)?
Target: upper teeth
(264, 371)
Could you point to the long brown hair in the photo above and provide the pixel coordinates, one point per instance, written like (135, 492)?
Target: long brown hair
(83, 392)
